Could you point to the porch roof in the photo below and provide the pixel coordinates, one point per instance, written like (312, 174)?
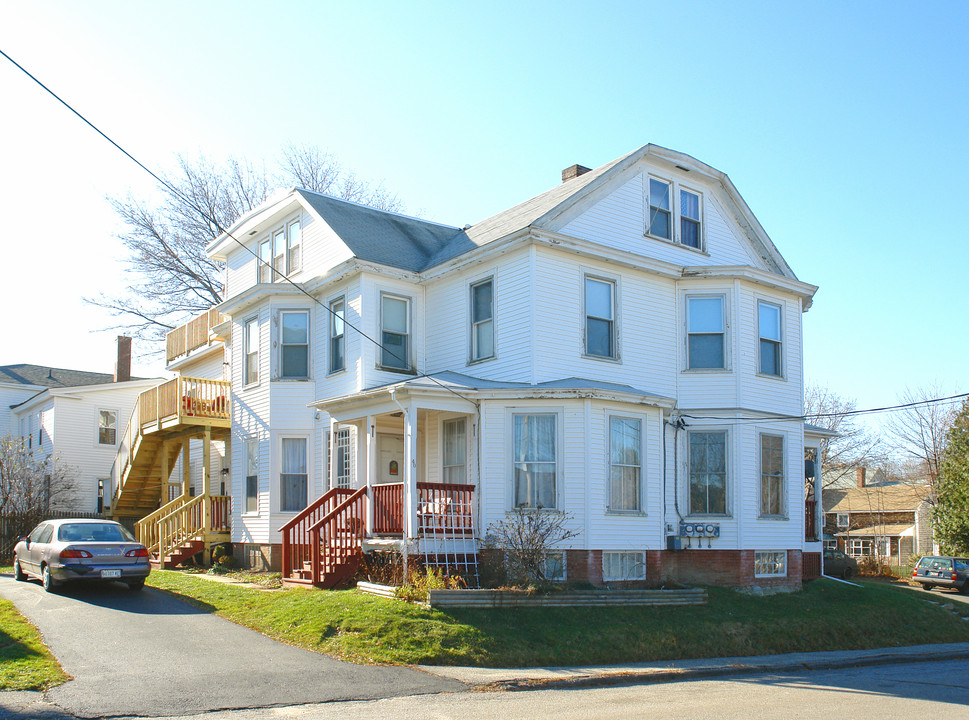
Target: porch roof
(448, 383)
(893, 530)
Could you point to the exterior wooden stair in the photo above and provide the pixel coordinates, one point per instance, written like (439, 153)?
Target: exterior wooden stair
(184, 527)
(178, 555)
(323, 545)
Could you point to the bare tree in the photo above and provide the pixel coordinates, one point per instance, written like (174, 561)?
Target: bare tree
(919, 432)
(172, 278)
(527, 538)
(31, 486)
(854, 446)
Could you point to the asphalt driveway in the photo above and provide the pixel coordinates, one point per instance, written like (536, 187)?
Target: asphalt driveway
(149, 654)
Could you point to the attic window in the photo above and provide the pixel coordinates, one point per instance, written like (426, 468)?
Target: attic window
(675, 213)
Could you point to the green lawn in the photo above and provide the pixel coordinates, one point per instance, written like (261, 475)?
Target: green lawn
(25, 662)
(363, 628)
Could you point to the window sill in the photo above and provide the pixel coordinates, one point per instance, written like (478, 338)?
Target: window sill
(602, 358)
(478, 361)
(771, 575)
(398, 371)
(626, 513)
(706, 371)
(332, 373)
(674, 243)
(693, 517)
(773, 517)
(250, 386)
(292, 379)
(768, 376)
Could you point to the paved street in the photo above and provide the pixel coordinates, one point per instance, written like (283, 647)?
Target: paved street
(127, 653)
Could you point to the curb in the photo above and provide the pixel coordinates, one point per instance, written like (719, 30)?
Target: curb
(658, 675)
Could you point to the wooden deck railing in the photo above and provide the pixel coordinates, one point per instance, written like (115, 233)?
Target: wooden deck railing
(186, 397)
(183, 519)
(810, 520)
(193, 334)
(336, 540)
(297, 540)
(388, 508)
(148, 534)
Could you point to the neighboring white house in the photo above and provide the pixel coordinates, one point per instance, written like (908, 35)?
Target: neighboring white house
(624, 348)
(75, 417)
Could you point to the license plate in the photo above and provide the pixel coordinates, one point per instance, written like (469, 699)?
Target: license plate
(110, 573)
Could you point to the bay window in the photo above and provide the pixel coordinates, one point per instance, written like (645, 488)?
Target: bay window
(294, 344)
(771, 475)
(625, 463)
(706, 333)
(395, 332)
(337, 335)
(769, 324)
(708, 473)
(293, 475)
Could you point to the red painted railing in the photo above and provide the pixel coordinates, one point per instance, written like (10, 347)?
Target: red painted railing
(388, 508)
(810, 520)
(297, 539)
(445, 507)
(337, 540)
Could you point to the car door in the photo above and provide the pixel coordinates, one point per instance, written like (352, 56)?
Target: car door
(38, 537)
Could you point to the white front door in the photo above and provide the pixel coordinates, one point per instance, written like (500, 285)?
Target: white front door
(390, 458)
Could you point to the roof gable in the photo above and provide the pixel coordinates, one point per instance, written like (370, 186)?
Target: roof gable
(879, 499)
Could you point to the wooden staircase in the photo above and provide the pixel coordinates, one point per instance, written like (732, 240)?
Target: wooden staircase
(178, 555)
(184, 527)
(323, 545)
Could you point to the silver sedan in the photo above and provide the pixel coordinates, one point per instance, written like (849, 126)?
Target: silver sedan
(58, 551)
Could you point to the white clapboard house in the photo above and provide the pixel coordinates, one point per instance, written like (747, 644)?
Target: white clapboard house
(624, 349)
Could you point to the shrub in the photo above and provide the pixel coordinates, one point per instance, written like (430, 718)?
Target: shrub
(526, 538)
(422, 581)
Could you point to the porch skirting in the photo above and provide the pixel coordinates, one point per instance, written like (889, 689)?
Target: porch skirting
(258, 557)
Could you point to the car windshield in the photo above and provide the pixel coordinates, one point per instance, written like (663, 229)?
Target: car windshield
(94, 532)
(935, 563)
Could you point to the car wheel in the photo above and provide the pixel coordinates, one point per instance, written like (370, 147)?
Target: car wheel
(50, 584)
(18, 572)
(964, 588)
(846, 574)
(926, 586)
(136, 585)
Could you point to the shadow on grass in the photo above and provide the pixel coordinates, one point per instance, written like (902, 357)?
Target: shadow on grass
(12, 649)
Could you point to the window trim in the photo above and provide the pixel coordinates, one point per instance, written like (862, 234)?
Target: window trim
(613, 283)
(282, 252)
(294, 267)
(444, 466)
(408, 336)
(331, 338)
(726, 471)
(251, 443)
(472, 325)
(783, 564)
(279, 354)
(640, 563)
(558, 487)
(640, 498)
(724, 333)
(97, 426)
(279, 475)
(847, 519)
(675, 212)
(782, 485)
(247, 351)
(780, 374)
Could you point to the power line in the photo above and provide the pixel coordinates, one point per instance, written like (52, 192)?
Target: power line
(191, 203)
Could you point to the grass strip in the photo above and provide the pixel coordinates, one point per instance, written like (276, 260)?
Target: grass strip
(25, 662)
(354, 626)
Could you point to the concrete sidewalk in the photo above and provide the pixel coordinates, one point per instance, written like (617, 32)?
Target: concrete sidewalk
(666, 671)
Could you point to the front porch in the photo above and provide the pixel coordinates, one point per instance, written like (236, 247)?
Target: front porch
(399, 469)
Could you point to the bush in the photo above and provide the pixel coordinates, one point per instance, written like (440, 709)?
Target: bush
(871, 565)
(421, 582)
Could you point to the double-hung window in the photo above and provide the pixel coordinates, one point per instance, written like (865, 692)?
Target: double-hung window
(600, 314)
(625, 463)
(660, 209)
(293, 475)
(293, 239)
(482, 320)
(107, 427)
(337, 335)
(689, 219)
(534, 460)
(265, 261)
(395, 332)
(708, 473)
(250, 342)
(455, 451)
(769, 324)
(252, 476)
(706, 332)
(279, 254)
(771, 475)
(294, 344)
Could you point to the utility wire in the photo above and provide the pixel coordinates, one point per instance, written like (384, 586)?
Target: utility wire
(192, 204)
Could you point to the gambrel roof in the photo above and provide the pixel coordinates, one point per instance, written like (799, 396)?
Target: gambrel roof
(416, 245)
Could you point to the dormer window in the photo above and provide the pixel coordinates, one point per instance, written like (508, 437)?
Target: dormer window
(681, 221)
(280, 253)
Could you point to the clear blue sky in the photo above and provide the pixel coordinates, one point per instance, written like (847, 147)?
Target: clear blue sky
(843, 125)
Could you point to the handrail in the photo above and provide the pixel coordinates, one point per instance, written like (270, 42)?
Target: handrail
(338, 536)
(180, 525)
(148, 525)
(295, 532)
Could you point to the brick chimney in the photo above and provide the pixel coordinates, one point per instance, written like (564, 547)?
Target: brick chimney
(860, 475)
(122, 368)
(574, 171)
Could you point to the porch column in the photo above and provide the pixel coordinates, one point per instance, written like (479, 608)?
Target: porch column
(206, 481)
(332, 469)
(371, 467)
(165, 472)
(186, 467)
(410, 472)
